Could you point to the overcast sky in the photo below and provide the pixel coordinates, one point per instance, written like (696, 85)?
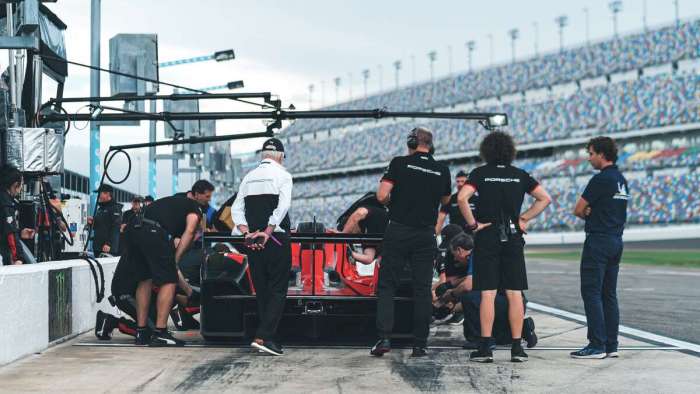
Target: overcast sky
(283, 46)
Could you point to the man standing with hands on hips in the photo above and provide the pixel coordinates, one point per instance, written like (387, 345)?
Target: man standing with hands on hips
(499, 260)
(603, 206)
(260, 214)
(413, 187)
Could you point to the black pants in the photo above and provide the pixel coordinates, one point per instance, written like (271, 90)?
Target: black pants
(270, 271)
(417, 247)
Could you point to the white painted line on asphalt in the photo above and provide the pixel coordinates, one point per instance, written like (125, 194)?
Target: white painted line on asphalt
(623, 329)
(673, 273)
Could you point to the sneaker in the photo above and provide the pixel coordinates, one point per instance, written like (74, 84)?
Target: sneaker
(104, 324)
(613, 354)
(457, 319)
(517, 354)
(529, 332)
(442, 315)
(588, 352)
(164, 338)
(419, 351)
(143, 336)
(268, 347)
(382, 346)
(481, 356)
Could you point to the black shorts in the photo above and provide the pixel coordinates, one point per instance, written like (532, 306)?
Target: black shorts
(499, 265)
(150, 254)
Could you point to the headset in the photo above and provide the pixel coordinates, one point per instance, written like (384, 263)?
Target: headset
(412, 141)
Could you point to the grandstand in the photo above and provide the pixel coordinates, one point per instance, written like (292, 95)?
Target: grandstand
(642, 89)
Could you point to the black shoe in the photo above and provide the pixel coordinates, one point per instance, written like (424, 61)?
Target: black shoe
(481, 356)
(517, 354)
(529, 332)
(162, 337)
(268, 347)
(143, 336)
(382, 346)
(104, 325)
(457, 319)
(419, 351)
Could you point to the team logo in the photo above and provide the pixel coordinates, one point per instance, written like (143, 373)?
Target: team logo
(622, 192)
(10, 219)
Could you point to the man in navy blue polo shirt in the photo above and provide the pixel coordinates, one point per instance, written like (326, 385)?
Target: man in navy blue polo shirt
(603, 206)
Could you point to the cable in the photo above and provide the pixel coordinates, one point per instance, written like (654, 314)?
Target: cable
(262, 105)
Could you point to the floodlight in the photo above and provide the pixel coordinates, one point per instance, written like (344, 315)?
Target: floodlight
(95, 111)
(234, 85)
(497, 120)
(222, 56)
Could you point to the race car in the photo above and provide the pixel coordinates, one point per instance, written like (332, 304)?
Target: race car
(329, 299)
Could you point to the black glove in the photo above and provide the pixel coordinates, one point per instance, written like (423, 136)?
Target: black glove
(442, 289)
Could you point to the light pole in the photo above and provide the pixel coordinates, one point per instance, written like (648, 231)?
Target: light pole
(536, 28)
(336, 80)
(323, 93)
(675, 8)
(350, 85)
(413, 69)
(514, 34)
(615, 8)
(432, 56)
(397, 67)
(449, 59)
(95, 19)
(588, 35)
(490, 36)
(562, 21)
(644, 14)
(311, 92)
(365, 77)
(380, 69)
(471, 45)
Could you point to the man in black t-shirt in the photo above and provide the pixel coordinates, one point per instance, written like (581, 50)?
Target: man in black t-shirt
(366, 220)
(451, 210)
(154, 258)
(413, 187)
(603, 206)
(499, 261)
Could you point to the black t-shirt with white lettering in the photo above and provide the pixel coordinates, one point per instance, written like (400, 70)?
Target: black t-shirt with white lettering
(607, 195)
(171, 213)
(420, 183)
(501, 189)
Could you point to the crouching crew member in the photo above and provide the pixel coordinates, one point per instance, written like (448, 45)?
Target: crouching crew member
(154, 259)
(413, 187)
(11, 251)
(603, 206)
(367, 219)
(499, 261)
(260, 213)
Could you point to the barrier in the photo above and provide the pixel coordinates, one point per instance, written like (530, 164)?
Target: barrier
(684, 232)
(47, 303)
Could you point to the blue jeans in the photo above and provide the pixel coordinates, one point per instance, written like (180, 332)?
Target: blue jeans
(600, 264)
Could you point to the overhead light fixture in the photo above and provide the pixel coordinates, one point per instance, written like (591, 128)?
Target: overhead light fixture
(497, 120)
(222, 56)
(234, 85)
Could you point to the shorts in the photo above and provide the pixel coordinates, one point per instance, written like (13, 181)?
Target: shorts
(499, 265)
(150, 254)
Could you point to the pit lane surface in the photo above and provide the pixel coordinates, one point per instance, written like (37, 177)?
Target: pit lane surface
(661, 300)
(91, 367)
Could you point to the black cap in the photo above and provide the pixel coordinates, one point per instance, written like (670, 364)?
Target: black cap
(274, 145)
(447, 233)
(461, 173)
(105, 188)
(148, 198)
(137, 199)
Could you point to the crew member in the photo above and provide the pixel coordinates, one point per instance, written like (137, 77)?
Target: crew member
(106, 223)
(260, 213)
(603, 206)
(201, 192)
(147, 200)
(366, 219)
(451, 273)
(451, 210)
(499, 261)
(413, 187)
(10, 235)
(136, 206)
(151, 251)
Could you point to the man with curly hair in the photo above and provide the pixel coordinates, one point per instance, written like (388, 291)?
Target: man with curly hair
(499, 261)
